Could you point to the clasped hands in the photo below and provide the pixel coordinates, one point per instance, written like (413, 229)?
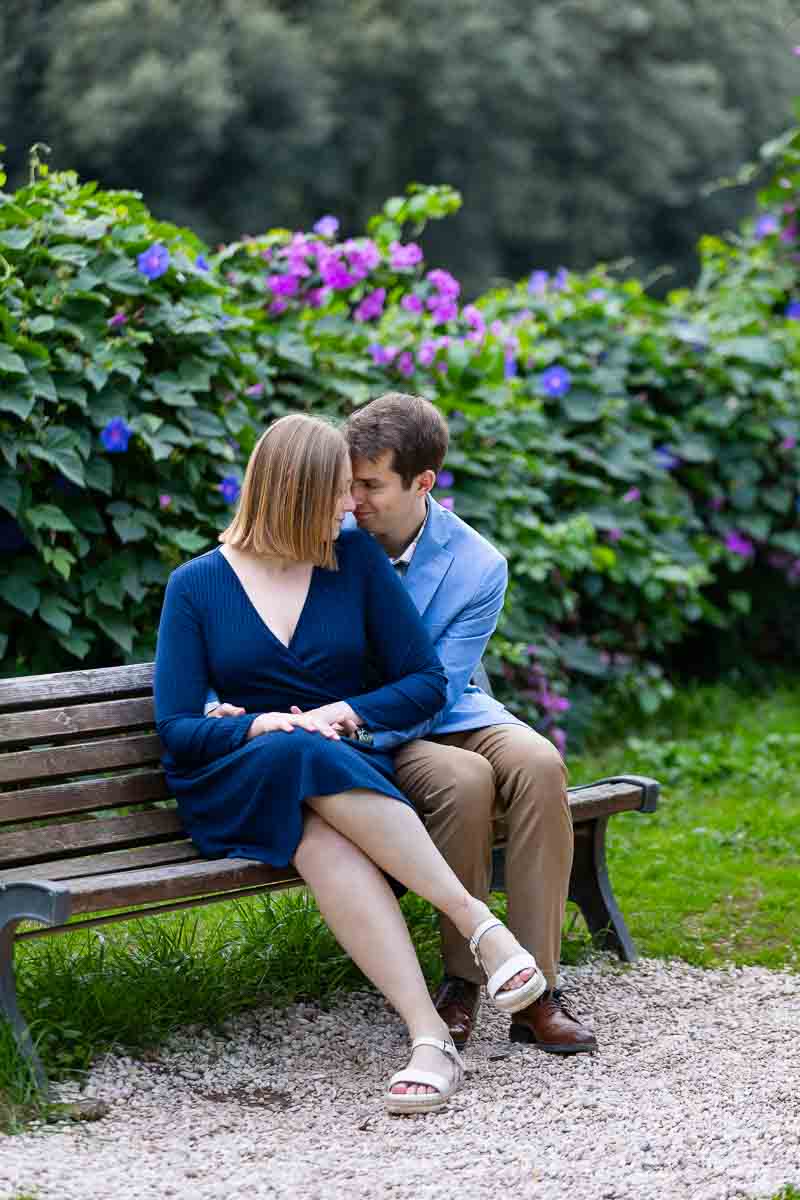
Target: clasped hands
(331, 720)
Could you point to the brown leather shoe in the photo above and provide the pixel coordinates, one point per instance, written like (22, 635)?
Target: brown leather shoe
(549, 1024)
(457, 1002)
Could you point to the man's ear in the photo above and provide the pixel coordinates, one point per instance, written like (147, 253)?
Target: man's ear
(425, 481)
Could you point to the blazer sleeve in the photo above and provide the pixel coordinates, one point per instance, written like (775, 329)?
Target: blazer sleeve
(182, 682)
(460, 647)
(415, 685)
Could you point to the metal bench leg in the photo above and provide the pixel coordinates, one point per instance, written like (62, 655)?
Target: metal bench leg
(590, 888)
(45, 902)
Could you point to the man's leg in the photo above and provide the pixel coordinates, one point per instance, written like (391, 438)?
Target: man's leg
(531, 799)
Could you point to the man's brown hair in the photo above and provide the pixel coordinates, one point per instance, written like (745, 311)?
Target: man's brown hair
(291, 485)
(410, 426)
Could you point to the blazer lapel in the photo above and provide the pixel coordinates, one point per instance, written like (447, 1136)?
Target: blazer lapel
(431, 561)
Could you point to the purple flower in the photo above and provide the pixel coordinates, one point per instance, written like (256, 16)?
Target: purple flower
(560, 279)
(716, 503)
(444, 283)
(164, 500)
(789, 443)
(474, 318)
(371, 306)
(201, 262)
(442, 366)
(792, 310)
(789, 232)
(153, 262)
(426, 354)
(255, 390)
(537, 284)
(738, 544)
(326, 227)
(316, 297)
(404, 256)
(597, 295)
(405, 363)
(229, 487)
(116, 435)
(283, 285)
(766, 226)
(555, 381)
(334, 272)
(550, 702)
(509, 363)
(382, 355)
(559, 739)
(412, 304)
(364, 252)
(118, 320)
(443, 311)
(613, 535)
(631, 495)
(448, 502)
(277, 307)
(665, 459)
(445, 479)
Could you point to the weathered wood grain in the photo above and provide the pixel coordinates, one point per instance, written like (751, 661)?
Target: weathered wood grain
(54, 841)
(27, 691)
(60, 724)
(86, 795)
(100, 864)
(59, 762)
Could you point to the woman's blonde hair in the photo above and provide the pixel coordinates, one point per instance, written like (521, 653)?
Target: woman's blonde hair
(291, 485)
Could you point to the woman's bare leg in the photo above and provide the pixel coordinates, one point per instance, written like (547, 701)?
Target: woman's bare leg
(394, 838)
(363, 914)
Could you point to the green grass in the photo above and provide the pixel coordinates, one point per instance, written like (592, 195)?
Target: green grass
(711, 878)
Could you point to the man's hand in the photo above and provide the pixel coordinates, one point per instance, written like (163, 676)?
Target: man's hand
(226, 710)
(339, 714)
(288, 722)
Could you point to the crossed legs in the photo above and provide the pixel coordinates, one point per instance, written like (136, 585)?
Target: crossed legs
(348, 840)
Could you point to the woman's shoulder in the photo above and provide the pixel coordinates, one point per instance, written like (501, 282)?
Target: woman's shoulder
(196, 570)
(355, 548)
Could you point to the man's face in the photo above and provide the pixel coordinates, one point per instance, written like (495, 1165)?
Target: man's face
(383, 506)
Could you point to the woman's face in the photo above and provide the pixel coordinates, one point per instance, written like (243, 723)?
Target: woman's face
(344, 501)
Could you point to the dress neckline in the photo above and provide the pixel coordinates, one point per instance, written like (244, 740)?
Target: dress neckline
(284, 645)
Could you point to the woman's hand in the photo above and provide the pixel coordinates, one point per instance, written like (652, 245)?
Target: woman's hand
(339, 715)
(287, 722)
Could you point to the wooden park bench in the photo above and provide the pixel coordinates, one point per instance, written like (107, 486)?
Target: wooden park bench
(88, 827)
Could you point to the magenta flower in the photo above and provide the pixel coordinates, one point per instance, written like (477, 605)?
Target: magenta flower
(371, 306)
(277, 307)
(555, 381)
(164, 500)
(382, 355)
(326, 227)
(118, 320)
(613, 535)
(477, 325)
(445, 284)
(766, 226)
(448, 502)
(405, 363)
(442, 366)
(426, 354)
(255, 390)
(789, 232)
(283, 285)
(316, 297)
(229, 487)
(631, 495)
(789, 443)
(154, 261)
(737, 544)
(559, 739)
(537, 284)
(716, 503)
(412, 304)
(404, 256)
(550, 702)
(116, 435)
(334, 272)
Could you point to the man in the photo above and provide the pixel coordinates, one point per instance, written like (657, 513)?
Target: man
(474, 762)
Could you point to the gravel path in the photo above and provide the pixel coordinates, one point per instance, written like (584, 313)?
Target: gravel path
(694, 1094)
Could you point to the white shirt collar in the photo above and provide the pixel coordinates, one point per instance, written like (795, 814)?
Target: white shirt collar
(405, 558)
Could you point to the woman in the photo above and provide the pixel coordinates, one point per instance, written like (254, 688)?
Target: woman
(282, 619)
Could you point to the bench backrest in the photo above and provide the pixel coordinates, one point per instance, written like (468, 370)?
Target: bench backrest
(79, 767)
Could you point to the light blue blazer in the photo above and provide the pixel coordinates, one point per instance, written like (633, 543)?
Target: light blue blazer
(457, 581)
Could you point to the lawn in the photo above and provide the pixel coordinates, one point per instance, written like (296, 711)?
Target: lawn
(711, 878)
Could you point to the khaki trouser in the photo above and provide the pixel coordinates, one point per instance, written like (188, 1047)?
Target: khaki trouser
(461, 783)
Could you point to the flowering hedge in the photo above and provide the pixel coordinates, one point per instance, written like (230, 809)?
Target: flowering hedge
(636, 460)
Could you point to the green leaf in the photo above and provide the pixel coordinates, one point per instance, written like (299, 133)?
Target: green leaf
(129, 529)
(11, 363)
(14, 402)
(42, 324)
(99, 475)
(582, 406)
(78, 642)
(758, 350)
(96, 375)
(20, 593)
(294, 349)
(118, 629)
(66, 461)
(59, 559)
(10, 493)
(17, 239)
(787, 541)
(55, 611)
(48, 516)
(192, 543)
(579, 656)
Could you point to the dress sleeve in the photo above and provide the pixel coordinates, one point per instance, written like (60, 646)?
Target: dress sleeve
(181, 686)
(415, 685)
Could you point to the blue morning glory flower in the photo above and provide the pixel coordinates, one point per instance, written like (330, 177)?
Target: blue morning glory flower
(665, 459)
(153, 262)
(792, 310)
(201, 262)
(116, 435)
(555, 381)
(230, 489)
(537, 284)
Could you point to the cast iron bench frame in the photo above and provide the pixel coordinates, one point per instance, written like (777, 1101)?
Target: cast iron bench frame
(78, 745)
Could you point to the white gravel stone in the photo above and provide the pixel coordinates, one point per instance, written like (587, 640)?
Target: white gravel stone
(694, 1095)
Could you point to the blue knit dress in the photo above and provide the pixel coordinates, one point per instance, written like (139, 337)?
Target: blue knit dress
(242, 798)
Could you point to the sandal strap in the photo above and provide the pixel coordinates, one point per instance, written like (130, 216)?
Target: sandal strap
(484, 927)
(443, 1044)
(426, 1078)
(506, 971)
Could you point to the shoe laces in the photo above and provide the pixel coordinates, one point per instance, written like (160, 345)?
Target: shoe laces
(558, 998)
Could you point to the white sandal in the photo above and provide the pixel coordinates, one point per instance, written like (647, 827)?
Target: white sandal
(516, 998)
(398, 1103)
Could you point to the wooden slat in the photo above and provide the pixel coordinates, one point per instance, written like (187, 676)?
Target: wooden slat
(87, 795)
(54, 841)
(603, 800)
(55, 724)
(59, 762)
(27, 691)
(173, 882)
(100, 864)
